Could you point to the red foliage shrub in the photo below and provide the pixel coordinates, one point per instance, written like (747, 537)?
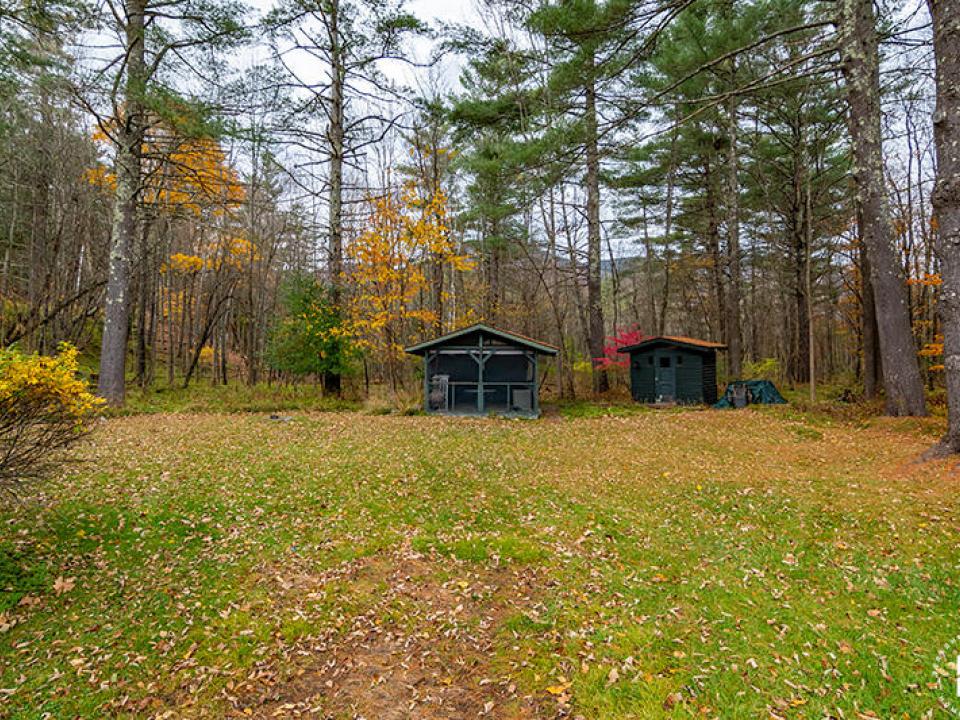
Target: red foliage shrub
(621, 338)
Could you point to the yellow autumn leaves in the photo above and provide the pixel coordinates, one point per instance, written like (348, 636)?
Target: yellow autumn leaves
(192, 174)
(47, 385)
(231, 252)
(406, 233)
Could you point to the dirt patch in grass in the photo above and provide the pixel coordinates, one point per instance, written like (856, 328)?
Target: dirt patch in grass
(423, 649)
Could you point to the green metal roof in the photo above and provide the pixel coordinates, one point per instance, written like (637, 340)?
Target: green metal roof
(513, 338)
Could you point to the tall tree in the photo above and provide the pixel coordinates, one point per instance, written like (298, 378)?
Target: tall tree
(859, 46)
(946, 197)
(126, 92)
(351, 38)
(492, 119)
(431, 161)
(128, 136)
(589, 46)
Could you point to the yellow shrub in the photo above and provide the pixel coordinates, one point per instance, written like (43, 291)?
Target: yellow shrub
(44, 408)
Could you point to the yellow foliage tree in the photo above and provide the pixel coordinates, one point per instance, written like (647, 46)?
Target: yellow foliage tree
(405, 230)
(192, 174)
(934, 352)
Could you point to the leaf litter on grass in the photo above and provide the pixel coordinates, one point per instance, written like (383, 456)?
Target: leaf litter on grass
(709, 563)
(421, 648)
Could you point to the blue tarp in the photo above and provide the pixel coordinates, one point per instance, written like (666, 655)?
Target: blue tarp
(763, 392)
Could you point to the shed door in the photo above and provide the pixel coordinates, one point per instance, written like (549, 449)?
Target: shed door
(666, 377)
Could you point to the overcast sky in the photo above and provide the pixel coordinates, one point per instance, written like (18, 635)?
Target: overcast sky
(434, 12)
(445, 10)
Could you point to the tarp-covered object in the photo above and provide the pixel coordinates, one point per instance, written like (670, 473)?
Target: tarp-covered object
(763, 392)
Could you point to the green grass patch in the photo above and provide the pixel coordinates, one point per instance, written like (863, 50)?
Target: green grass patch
(481, 549)
(589, 409)
(203, 397)
(631, 563)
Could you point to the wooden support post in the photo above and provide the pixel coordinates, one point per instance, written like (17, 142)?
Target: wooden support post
(481, 360)
(536, 386)
(426, 381)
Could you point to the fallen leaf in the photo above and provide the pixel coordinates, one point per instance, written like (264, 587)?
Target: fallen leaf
(63, 585)
(672, 700)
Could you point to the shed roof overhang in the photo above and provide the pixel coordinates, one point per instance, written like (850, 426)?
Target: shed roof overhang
(680, 341)
(508, 337)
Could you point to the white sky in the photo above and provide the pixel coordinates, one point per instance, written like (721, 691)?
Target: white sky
(444, 10)
(434, 13)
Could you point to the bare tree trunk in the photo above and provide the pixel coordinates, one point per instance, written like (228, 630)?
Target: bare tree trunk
(713, 247)
(551, 270)
(871, 340)
(667, 232)
(171, 337)
(582, 319)
(734, 352)
(439, 272)
(332, 382)
(946, 197)
(141, 357)
(650, 273)
(808, 289)
(901, 370)
(594, 290)
(116, 322)
(224, 339)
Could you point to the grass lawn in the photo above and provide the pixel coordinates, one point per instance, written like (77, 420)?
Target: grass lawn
(750, 564)
(236, 397)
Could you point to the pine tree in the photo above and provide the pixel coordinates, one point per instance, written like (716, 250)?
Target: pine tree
(589, 47)
(350, 38)
(491, 119)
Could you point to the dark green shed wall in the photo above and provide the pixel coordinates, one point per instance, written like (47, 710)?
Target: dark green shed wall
(642, 378)
(710, 378)
(695, 374)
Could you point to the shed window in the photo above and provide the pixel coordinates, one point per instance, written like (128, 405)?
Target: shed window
(664, 362)
(679, 359)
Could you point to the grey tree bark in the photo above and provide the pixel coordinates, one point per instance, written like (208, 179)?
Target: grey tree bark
(872, 371)
(734, 351)
(946, 197)
(594, 294)
(335, 132)
(667, 234)
(129, 136)
(861, 69)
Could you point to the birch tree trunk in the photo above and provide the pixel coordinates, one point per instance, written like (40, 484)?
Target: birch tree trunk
(116, 321)
(946, 197)
(861, 69)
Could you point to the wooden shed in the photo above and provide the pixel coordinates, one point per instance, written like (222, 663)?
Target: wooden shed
(481, 370)
(667, 369)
